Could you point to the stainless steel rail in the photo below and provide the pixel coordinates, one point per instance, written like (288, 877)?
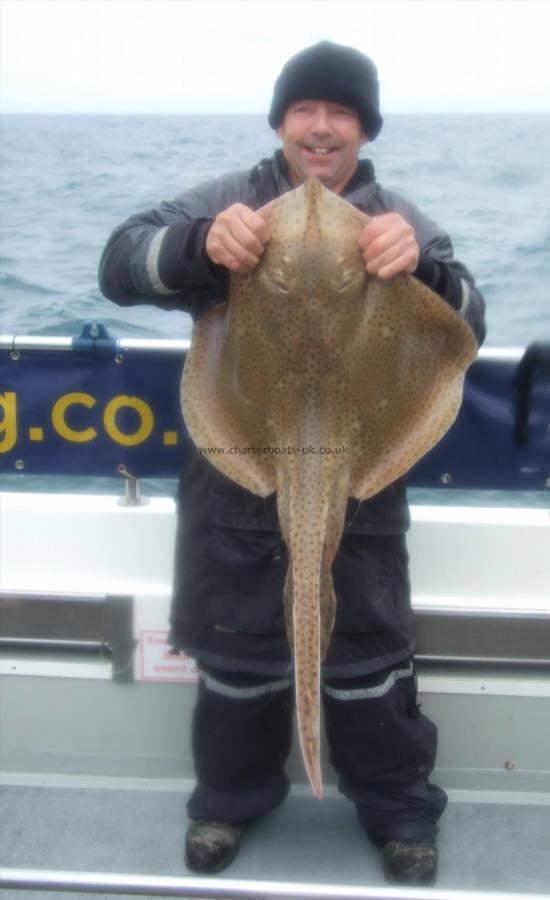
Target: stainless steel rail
(16, 342)
(465, 661)
(32, 643)
(226, 888)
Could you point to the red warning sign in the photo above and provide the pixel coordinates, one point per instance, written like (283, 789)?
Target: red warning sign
(159, 663)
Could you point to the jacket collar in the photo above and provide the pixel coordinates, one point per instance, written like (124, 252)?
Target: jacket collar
(271, 178)
(359, 189)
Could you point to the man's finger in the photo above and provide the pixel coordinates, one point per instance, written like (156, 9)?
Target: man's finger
(369, 233)
(255, 223)
(400, 258)
(241, 231)
(374, 264)
(397, 267)
(234, 255)
(237, 238)
(377, 243)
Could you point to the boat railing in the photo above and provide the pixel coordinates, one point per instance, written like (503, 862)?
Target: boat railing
(226, 888)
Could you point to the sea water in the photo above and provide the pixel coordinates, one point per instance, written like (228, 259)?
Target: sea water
(67, 181)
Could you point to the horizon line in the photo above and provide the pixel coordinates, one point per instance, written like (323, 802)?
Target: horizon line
(225, 113)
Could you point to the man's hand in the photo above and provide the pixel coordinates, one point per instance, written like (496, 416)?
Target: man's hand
(237, 238)
(389, 246)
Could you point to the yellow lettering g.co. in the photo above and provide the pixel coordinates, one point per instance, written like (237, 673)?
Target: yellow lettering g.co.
(122, 401)
(145, 415)
(8, 423)
(59, 422)
(59, 415)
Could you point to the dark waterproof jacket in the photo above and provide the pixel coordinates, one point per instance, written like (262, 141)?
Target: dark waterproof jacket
(230, 558)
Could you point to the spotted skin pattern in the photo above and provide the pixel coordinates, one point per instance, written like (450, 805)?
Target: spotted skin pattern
(311, 352)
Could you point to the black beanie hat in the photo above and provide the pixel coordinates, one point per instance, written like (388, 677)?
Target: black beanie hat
(330, 72)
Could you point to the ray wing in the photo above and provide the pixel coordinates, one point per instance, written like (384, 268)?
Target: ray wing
(407, 381)
(221, 417)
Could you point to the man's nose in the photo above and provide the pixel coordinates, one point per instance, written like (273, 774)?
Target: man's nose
(321, 121)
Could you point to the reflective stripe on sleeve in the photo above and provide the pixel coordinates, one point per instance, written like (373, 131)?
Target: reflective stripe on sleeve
(152, 263)
(465, 301)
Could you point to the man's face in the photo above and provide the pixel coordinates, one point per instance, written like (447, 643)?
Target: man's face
(321, 139)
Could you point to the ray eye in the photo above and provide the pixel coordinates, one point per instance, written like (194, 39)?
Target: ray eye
(281, 284)
(346, 281)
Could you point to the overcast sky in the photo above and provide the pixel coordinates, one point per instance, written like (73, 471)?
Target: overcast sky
(177, 56)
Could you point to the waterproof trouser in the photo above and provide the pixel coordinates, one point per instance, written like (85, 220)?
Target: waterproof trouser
(381, 746)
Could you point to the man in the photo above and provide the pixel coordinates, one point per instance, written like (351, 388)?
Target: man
(231, 562)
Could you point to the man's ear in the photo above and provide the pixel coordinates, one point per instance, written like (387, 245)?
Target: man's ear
(364, 138)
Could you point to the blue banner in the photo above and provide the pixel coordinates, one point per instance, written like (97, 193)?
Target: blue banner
(79, 413)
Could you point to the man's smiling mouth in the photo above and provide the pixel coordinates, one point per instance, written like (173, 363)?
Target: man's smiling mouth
(319, 151)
